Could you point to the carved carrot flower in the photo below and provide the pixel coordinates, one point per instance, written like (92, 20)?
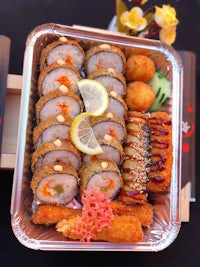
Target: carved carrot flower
(134, 19)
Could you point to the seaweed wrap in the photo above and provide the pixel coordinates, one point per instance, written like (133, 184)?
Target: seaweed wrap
(112, 150)
(57, 74)
(110, 124)
(55, 183)
(53, 127)
(102, 174)
(68, 51)
(56, 102)
(104, 56)
(112, 80)
(59, 150)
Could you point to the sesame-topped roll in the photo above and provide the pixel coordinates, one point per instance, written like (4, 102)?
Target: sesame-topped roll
(112, 80)
(104, 56)
(51, 128)
(68, 51)
(55, 183)
(66, 103)
(57, 74)
(101, 174)
(59, 150)
(135, 165)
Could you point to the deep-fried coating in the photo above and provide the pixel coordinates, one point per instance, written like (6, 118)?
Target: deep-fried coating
(139, 68)
(139, 96)
(144, 212)
(51, 214)
(161, 152)
(123, 229)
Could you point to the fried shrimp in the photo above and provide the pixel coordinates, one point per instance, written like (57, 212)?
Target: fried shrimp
(51, 214)
(123, 229)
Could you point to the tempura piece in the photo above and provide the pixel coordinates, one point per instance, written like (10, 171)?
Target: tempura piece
(51, 214)
(123, 229)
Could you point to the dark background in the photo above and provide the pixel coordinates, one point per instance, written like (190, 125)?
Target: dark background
(17, 19)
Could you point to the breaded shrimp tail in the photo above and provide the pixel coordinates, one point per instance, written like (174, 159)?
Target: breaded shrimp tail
(51, 214)
(144, 212)
(123, 229)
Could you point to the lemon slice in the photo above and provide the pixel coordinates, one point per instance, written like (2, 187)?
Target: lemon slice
(82, 135)
(95, 96)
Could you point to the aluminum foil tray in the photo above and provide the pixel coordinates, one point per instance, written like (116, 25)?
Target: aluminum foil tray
(167, 220)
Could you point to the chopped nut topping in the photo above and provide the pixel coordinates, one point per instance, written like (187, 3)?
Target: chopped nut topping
(108, 137)
(63, 39)
(105, 46)
(104, 164)
(60, 118)
(113, 93)
(109, 115)
(63, 88)
(57, 143)
(61, 62)
(58, 168)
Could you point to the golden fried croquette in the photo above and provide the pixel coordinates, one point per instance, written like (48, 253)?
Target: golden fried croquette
(139, 96)
(139, 68)
(144, 212)
(51, 214)
(123, 229)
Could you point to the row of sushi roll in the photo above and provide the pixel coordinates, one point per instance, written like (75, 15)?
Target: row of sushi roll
(132, 162)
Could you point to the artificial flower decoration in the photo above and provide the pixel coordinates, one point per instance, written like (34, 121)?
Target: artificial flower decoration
(134, 19)
(156, 23)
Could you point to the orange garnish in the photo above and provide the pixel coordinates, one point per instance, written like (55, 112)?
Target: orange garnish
(112, 133)
(63, 107)
(96, 214)
(64, 81)
(69, 59)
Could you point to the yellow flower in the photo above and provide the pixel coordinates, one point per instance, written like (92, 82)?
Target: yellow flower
(165, 16)
(134, 19)
(168, 34)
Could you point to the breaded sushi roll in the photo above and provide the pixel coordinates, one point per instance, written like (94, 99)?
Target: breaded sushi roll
(53, 127)
(117, 105)
(134, 167)
(57, 74)
(112, 80)
(104, 56)
(110, 124)
(55, 183)
(68, 51)
(161, 147)
(112, 150)
(56, 102)
(59, 150)
(102, 174)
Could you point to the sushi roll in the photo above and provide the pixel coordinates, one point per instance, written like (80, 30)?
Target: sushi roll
(59, 150)
(57, 74)
(117, 105)
(56, 102)
(51, 128)
(68, 51)
(104, 56)
(101, 174)
(161, 160)
(112, 150)
(110, 124)
(112, 80)
(55, 183)
(135, 165)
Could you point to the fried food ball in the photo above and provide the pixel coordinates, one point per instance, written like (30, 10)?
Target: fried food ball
(139, 96)
(139, 68)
